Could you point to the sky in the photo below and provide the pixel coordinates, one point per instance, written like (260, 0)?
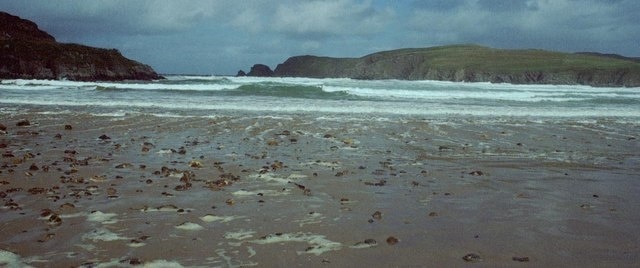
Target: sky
(222, 37)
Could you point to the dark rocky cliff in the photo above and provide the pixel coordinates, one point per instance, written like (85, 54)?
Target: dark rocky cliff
(29, 53)
(471, 63)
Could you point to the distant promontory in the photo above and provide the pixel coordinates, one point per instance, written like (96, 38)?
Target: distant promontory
(473, 63)
(27, 52)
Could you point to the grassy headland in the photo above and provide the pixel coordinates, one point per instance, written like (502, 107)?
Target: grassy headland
(473, 63)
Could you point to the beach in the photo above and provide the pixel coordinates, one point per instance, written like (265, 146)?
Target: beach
(307, 190)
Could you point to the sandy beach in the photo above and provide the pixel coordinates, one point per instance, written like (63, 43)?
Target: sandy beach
(292, 190)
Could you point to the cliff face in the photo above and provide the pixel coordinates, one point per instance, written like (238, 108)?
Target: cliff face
(470, 63)
(27, 52)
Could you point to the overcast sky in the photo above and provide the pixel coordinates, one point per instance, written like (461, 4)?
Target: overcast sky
(221, 37)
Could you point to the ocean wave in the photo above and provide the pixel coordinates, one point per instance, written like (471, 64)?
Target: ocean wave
(283, 90)
(187, 95)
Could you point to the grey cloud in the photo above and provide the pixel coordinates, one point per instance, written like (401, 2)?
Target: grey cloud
(438, 5)
(71, 17)
(322, 19)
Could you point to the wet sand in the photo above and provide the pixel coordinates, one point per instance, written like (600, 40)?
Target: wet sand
(296, 190)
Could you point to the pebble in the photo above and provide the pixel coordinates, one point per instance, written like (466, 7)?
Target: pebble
(23, 123)
(472, 257)
(391, 240)
(521, 259)
(377, 215)
(33, 167)
(195, 164)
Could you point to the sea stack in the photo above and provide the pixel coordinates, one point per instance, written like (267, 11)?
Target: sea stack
(260, 70)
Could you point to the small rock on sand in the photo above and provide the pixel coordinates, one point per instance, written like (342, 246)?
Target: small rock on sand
(23, 123)
(472, 257)
(520, 259)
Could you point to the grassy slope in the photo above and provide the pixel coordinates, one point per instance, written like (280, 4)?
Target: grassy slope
(472, 63)
(506, 61)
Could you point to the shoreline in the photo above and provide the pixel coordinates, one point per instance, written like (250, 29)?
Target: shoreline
(237, 190)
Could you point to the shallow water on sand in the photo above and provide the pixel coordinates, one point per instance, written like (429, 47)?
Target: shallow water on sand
(308, 190)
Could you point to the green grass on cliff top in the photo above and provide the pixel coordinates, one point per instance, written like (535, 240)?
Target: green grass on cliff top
(502, 60)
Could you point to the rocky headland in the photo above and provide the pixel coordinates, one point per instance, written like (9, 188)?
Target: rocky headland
(473, 63)
(26, 52)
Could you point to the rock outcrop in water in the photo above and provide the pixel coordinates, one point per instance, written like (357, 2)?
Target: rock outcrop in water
(29, 53)
(472, 63)
(260, 70)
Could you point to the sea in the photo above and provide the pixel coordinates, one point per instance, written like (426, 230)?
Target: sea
(210, 96)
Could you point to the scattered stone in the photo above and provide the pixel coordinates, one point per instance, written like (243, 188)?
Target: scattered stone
(36, 190)
(521, 259)
(124, 165)
(195, 164)
(370, 241)
(183, 187)
(54, 220)
(367, 243)
(104, 137)
(3, 127)
(476, 173)
(391, 240)
(472, 257)
(379, 183)
(34, 167)
(67, 206)
(300, 186)
(433, 214)
(23, 123)
(47, 237)
(377, 215)
(68, 127)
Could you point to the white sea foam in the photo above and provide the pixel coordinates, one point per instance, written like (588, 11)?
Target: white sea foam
(181, 96)
(239, 235)
(104, 218)
(318, 243)
(189, 226)
(102, 234)
(11, 260)
(223, 219)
